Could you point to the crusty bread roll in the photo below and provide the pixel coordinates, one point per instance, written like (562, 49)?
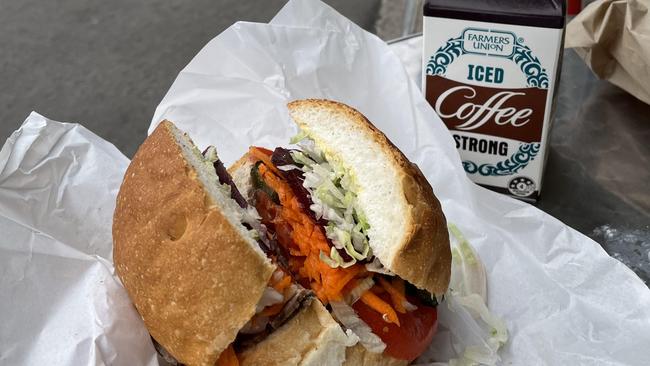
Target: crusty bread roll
(195, 274)
(191, 268)
(408, 231)
(311, 338)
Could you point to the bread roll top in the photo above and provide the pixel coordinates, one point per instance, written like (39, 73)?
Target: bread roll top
(408, 230)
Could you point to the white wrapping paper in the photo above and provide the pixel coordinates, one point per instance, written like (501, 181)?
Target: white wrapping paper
(565, 301)
(59, 301)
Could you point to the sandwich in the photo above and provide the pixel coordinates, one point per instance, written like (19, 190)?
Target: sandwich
(188, 251)
(359, 225)
(333, 252)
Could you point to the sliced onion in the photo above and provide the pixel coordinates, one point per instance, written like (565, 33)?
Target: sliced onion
(352, 338)
(408, 306)
(286, 168)
(376, 266)
(257, 227)
(270, 297)
(277, 276)
(355, 293)
(346, 316)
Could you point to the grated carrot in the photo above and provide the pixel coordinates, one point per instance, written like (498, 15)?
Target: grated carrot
(262, 150)
(228, 358)
(337, 280)
(382, 307)
(350, 286)
(264, 155)
(398, 298)
(282, 284)
(310, 239)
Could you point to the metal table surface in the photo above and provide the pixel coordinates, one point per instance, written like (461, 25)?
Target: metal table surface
(597, 177)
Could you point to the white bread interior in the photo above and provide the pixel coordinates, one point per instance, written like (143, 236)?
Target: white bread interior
(219, 193)
(373, 168)
(408, 231)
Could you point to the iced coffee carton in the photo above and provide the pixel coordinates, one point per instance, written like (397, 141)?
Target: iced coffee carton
(490, 72)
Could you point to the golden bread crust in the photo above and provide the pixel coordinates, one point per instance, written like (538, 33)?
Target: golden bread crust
(192, 277)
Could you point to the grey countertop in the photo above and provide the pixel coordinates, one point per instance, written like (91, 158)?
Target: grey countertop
(107, 64)
(597, 177)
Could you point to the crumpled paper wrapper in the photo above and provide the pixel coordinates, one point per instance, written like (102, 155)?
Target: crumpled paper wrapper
(60, 303)
(613, 38)
(565, 301)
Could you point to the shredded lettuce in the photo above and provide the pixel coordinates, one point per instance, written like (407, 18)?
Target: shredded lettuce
(309, 147)
(467, 271)
(342, 239)
(467, 289)
(298, 137)
(350, 320)
(475, 356)
(464, 247)
(334, 254)
(476, 306)
(332, 192)
(328, 260)
(300, 158)
(355, 294)
(335, 260)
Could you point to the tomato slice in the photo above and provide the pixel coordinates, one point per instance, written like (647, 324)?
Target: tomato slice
(408, 341)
